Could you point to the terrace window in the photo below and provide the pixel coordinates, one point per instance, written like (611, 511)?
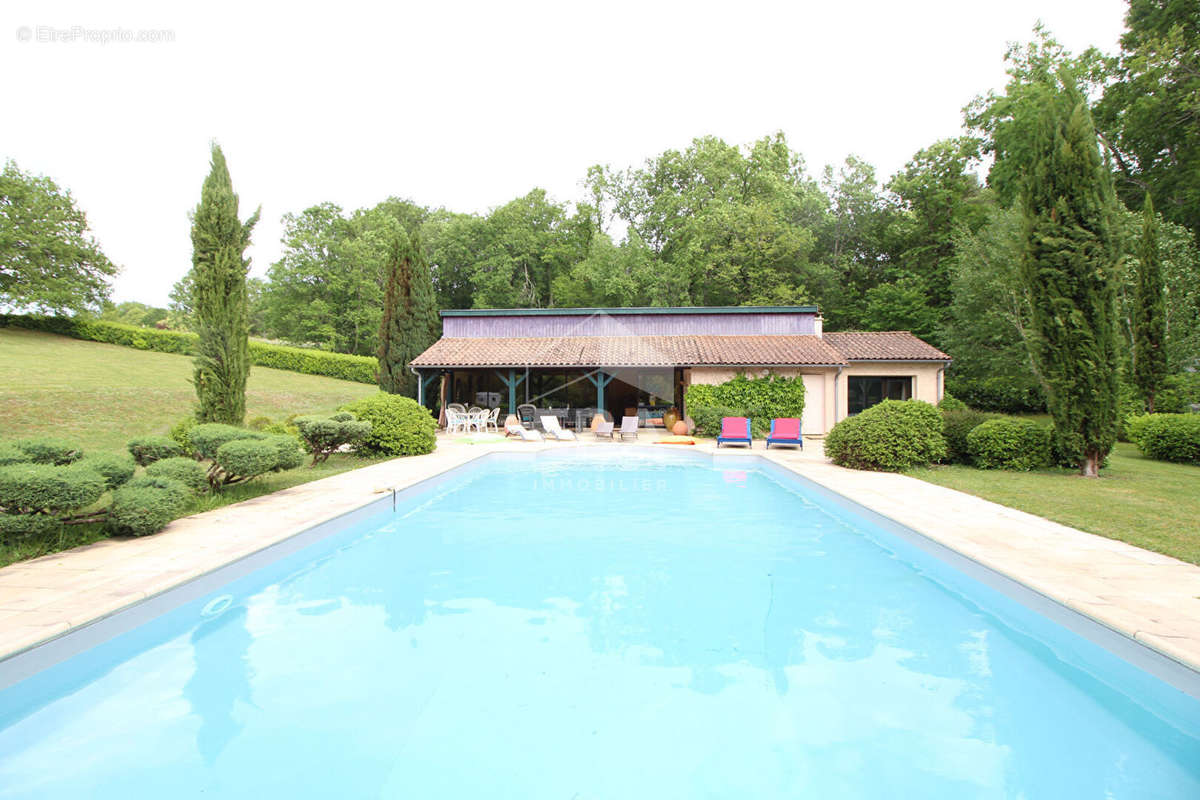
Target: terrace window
(865, 391)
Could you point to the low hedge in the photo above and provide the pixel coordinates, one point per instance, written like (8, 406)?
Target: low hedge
(360, 369)
(399, 425)
(32, 488)
(49, 450)
(187, 471)
(144, 509)
(148, 449)
(951, 403)
(115, 468)
(956, 425)
(1014, 444)
(1170, 437)
(11, 454)
(890, 436)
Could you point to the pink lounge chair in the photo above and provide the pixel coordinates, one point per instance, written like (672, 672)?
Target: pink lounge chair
(735, 429)
(785, 430)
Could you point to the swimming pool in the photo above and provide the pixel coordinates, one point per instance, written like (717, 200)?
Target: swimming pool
(595, 625)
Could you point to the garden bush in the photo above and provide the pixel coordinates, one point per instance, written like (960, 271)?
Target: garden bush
(399, 425)
(187, 471)
(1134, 426)
(181, 433)
(956, 424)
(206, 439)
(1014, 444)
(288, 451)
(243, 459)
(11, 454)
(708, 418)
(14, 527)
(145, 509)
(323, 436)
(115, 468)
(34, 488)
(49, 450)
(760, 399)
(951, 403)
(360, 369)
(1001, 394)
(1170, 437)
(148, 449)
(890, 436)
(178, 490)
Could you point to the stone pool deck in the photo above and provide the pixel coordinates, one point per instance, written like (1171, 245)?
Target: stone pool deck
(1152, 598)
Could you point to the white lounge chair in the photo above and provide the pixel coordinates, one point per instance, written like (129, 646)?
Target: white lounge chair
(551, 427)
(629, 427)
(525, 434)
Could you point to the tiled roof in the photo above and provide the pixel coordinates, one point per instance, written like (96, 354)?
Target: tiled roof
(629, 351)
(883, 346)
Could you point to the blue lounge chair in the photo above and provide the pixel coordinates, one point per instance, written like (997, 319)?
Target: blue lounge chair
(735, 429)
(785, 430)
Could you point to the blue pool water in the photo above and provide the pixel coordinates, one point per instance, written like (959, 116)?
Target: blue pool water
(601, 626)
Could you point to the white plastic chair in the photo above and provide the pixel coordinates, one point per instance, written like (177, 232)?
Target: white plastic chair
(492, 420)
(455, 421)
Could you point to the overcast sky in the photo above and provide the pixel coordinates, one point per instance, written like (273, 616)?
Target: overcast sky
(468, 105)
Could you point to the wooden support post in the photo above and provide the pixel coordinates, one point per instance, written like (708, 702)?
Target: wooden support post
(599, 380)
(512, 380)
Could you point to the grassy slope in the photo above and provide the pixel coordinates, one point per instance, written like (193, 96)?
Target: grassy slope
(102, 395)
(1151, 504)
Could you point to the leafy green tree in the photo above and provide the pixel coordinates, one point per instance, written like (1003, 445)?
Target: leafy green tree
(49, 260)
(902, 305)
(453, 244)
(410, 321)
(1069, 267)
(853, 240)
(133, 313)
(1150, 313)
(1150, 114)
(219, 267)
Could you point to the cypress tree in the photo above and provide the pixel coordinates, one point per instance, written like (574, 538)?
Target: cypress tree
(1150, 312)
(1069, 267)
(410, 319)
(219, 267)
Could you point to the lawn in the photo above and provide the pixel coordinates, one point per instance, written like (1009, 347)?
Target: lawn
(103, 395)
(1152, 504)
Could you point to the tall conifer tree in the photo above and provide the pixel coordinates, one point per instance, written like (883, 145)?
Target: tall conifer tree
(219, 267)
(1150, 312)
(1069, 268)
(410, 319)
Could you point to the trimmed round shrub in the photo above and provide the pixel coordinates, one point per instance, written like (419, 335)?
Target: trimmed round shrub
(399, 425)
(11, 454)
(177, 489)
(1006, 443)
(187, 471)
(115, 468)
(259, 423)
(890, 436)
(955, 427)
(1171, 437)
(141, 510)
(48, 450)
(247, 458)
(288, 452)
(14, 527)
(148, 449)
(951, 403)
(322, 436)
(43, 487)
(181, 433)
(208, 438)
